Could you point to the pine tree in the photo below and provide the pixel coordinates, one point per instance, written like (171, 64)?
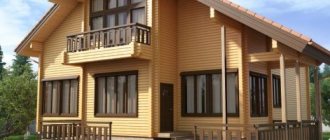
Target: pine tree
(1, 64)
(21, 65)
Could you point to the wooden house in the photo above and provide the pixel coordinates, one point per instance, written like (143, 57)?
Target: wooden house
(147, 69)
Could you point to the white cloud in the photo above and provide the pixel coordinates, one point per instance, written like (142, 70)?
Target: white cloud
(284, 6)
(18, 17)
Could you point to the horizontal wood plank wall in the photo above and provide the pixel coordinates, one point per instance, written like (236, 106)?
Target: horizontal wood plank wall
(256, 43)
(166, 53)
(199, 43)
(54, 47)
(291, 95)
(121, 126)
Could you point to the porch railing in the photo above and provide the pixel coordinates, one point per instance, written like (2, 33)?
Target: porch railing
(109, 37)
(306, 130)
(75, 131)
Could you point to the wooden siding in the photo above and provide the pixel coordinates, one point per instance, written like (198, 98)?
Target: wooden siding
(53, 50)
(165, 63)
(122, 126)
(256, 43)
(132, 50)
(291, 95)
(198, 42)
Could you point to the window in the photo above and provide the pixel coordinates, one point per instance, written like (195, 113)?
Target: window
(116, 94)
(201, 93)
(110, 13)
(258, 95)
(276, 91)
(60, 97)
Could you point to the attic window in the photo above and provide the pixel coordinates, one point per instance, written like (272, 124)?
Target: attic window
(111, 13)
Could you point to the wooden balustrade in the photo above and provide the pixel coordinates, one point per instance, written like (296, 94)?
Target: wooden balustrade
(75, 131)
(306, 130)
(109, 37)
(224, 132)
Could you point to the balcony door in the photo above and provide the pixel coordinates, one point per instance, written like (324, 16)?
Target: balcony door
(111, 13)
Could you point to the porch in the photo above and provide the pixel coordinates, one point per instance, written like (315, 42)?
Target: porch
(305, 130)
(75, 130)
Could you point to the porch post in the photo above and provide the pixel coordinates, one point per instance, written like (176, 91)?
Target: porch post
(318, 101)
(298, 91)
(283, 94)
(223, 74)
(298, 95)
(283, 88)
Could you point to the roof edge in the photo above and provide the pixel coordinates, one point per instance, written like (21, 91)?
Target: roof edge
(50, 12)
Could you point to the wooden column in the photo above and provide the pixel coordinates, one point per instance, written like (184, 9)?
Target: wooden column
(283, 88)
(39, 95)
(318, 100)
(223, 78)
(298, 91)
(283, 94)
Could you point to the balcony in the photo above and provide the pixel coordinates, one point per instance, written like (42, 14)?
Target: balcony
(120, 42)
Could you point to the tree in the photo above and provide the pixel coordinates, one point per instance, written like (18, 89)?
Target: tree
(18, 91)
(17, 99)
(325, 92)
(22, 64)
(1, 64)
(325, 101)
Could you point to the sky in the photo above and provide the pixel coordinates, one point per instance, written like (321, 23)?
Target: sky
(310, 17)
(18, 17)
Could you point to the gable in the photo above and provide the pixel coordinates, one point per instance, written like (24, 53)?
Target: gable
(295, 40)
(47, 25)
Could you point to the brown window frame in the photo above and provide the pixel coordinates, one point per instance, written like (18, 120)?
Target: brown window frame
(59, 111)
(256, 111)
(115, 11)
(125, 96)
(209, 94)
(277, 102)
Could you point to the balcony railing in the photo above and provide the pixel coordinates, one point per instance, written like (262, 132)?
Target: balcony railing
(109, 37)
(75, 131)
(306, 130)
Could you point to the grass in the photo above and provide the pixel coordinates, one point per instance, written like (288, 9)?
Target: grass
(20, 137)
(326, 136)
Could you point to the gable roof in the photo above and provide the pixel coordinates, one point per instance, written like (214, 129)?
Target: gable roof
(289, 37)
(36, 28)
(49, 22)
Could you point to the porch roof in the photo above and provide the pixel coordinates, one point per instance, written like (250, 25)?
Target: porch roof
(287, 36)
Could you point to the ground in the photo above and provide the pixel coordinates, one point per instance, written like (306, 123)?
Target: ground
(20, 137)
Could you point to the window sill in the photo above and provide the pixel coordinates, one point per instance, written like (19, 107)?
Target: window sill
(117, 115)
(60, 115)
(256, 116)
(208, 115)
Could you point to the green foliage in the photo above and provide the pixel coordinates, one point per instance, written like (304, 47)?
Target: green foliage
(326, 135)
(17, 98)
(21, 137)
(18, 91)
(1, 64)
(325, 92)
(312, 98)
(22, 65)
